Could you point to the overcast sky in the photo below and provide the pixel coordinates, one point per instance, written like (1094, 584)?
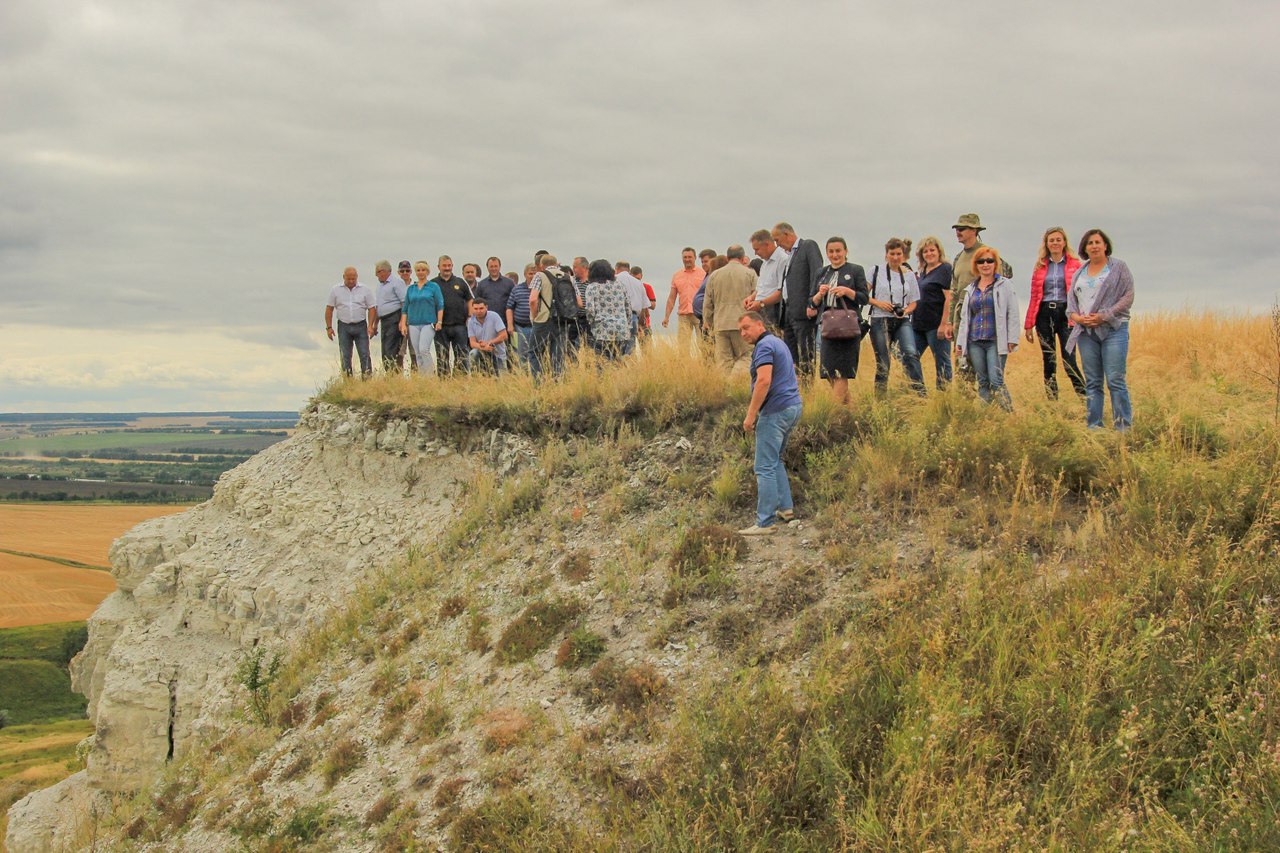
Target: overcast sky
(181, 183)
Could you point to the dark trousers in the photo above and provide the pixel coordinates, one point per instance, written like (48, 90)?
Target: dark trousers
(354, 335)
(452, 338)
(1052, 330)
(547, 352)
(393, 343)
(801, 337)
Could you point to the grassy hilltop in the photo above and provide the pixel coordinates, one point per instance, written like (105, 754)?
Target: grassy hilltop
(993, 631)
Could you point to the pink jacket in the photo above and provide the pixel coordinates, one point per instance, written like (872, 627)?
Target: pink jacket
(1037, 288)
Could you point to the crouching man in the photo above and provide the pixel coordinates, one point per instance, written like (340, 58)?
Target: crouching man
(487, 335)
(772, 414)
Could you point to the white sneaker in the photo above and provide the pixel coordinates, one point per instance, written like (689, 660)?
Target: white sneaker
(756, 530)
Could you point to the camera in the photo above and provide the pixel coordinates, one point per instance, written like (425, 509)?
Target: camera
(898, 310)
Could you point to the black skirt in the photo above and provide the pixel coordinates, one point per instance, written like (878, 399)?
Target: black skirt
(839, 359)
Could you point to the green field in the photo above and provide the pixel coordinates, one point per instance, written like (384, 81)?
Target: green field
(55, 643)
(34, 683)
(124, 440)
(36, 690)
(34, 757)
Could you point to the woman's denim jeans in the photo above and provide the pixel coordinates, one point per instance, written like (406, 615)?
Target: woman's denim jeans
(773, 488)
(422, 339)
(988, 367)
(906, 341)
(941, 349)
(1105, 360)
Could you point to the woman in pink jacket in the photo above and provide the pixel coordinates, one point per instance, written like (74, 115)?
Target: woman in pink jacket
(1047, 311)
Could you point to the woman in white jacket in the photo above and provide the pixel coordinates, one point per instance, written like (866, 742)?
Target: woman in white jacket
(989, 326)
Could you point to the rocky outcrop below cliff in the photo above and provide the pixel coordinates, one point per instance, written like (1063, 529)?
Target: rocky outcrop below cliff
(285, 538)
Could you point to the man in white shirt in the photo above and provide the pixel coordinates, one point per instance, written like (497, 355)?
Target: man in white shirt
(637, 298)
(773, 273)
(357, 311)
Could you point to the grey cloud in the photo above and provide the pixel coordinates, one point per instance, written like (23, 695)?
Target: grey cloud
(221, 163)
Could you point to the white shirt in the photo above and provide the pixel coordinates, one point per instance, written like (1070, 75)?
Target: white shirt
(351, 304)
(1086, 288)
(899, 289)
(637, 296)
(772, 274)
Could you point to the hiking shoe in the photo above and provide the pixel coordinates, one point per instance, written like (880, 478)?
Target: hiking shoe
(756, 530)
(787, 515)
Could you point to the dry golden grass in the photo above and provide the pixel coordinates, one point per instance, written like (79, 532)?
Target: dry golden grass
(35, 592)
(1178, 360)
(80, 533)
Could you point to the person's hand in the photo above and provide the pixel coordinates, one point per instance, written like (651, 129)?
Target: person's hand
(1012, 347)
(330, 333)
(823, 289)
(811, 312)
(749, 423)
(945, 331)
(1030, 336)
(373, 330)
(438, 325)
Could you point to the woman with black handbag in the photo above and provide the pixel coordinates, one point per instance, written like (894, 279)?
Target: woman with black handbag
(842, 291)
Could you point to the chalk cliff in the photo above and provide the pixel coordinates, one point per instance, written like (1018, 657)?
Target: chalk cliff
(285, 538)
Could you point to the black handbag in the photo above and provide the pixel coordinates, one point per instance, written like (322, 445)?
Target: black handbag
(841, 324)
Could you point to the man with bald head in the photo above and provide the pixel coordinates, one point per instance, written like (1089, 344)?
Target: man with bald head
(728, 288)
(357, 315)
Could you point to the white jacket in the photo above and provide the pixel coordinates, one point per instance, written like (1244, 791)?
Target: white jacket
(1008, 323)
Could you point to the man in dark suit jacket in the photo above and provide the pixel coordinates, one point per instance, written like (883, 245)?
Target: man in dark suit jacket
(799, 324)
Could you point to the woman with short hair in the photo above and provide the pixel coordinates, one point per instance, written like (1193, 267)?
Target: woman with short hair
(608, 312)
(894, 295)
(934, 308)
(1047, 310)
(988, 328)
(1099, 303)
(422, 317)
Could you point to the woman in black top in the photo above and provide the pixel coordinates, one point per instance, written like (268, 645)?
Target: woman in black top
(935, 302)
(840, 285)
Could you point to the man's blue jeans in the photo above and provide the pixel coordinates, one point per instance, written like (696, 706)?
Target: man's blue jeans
(988, 367)
(1105, 360)
(941, 349)
(547, 353)
(356, 334)
(772, 487)
(905, 338)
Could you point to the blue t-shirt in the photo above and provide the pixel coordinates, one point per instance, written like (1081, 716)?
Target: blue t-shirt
(488, 330)
(784, 389)
(422, 305)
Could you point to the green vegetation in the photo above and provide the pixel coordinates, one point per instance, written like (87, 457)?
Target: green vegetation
(183, 441)
(56, 643)
(1001, 631)
(36, 690)
(256, 673)
(34, 683)
(531, 631)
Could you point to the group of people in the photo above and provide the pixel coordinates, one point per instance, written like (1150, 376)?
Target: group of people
(447, 323)
(780, 315)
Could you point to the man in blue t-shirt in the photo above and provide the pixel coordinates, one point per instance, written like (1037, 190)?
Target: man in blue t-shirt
(487, 337)
(772, 414)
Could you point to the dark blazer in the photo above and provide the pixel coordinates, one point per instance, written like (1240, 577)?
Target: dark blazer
(852, 276)
(802, 278)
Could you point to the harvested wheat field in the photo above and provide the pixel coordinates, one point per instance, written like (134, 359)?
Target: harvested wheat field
(35, 591)
(80, 533)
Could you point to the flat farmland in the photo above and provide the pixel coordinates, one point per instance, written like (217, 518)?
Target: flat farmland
(35, 591)
(207, 442)
(80, 533)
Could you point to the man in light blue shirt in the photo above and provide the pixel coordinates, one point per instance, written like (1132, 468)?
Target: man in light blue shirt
(390, 303)
(487, 335)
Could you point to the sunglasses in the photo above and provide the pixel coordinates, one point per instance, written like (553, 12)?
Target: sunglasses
(986, 260)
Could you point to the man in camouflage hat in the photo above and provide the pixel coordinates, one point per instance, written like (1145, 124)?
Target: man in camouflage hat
(968, 226)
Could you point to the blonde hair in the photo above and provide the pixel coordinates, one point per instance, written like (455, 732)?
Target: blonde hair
(1044, 246)
(926, 242)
